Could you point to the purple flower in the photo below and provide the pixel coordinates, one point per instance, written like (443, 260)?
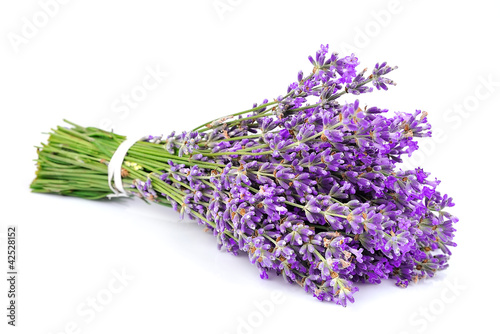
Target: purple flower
(305, 184)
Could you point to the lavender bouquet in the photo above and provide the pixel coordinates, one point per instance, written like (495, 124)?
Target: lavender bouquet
(306, 186)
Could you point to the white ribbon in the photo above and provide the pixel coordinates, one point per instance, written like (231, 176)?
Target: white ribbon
(115, 167)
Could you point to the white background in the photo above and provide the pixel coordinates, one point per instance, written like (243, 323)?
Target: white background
(78, 64)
